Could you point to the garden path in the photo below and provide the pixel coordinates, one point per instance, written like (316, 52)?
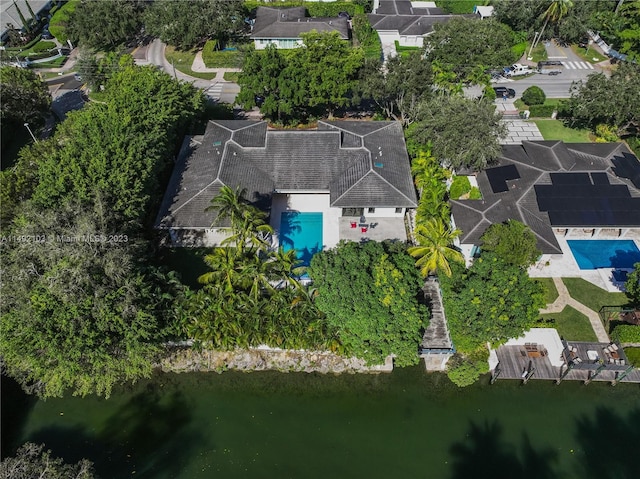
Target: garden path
(565, 299)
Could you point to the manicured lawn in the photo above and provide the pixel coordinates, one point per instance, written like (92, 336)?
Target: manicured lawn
(555, 130)
(182, 61)
(592, 296)
(231, 76)
(551, 293)
(539, 53)
(633, 355)
(592, 57)
(520, 105)
(572, 325)
(57, 63)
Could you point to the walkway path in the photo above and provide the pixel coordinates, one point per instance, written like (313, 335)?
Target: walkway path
(565, 299)
(517, 129)
(199, 66)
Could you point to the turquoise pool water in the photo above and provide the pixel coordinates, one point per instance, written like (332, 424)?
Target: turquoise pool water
(302, 232)
(593, 254)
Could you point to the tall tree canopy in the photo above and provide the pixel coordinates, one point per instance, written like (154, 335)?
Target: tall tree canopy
(632, 286)
(125, 146)
(23, 96)
(368, 293)
(613, 101)
(490, 302)
(316, 77)
(462, 44)
(104, 25)
(31, 461)
(399, 87)
(84, 309)
(76, 313)
(444, 123)
(435, 248)
(185, 24)
(513, 242)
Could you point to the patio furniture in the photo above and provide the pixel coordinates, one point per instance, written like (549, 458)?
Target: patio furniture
(354, 224)
(592, 355)
(364, 230)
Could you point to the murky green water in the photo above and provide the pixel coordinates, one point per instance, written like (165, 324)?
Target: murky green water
(405, 425)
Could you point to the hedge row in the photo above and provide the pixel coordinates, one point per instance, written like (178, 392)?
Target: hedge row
(626, 333)
(314, 9)
(367, 37)
(214, 58)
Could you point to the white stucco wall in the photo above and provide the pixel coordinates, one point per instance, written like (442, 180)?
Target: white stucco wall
(261, 43)
(384, 213)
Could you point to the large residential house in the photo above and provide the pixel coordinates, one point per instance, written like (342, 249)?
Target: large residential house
(282, 27)
(406, 22)
(561, 191)
(351, 179)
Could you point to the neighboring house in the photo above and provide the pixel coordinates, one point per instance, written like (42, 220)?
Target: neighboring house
(9, 13)
(483, 12)
(283, 26)
(575, 190)
(406, 22)
(355, 176)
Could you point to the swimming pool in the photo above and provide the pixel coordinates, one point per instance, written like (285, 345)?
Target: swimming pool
(302, 232)
(593, 254)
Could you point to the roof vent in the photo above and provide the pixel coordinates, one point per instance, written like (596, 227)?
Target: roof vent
(217, 143)
(234, 153)
(283, 15)
(378, 165)
(298, 20)
(330, 22)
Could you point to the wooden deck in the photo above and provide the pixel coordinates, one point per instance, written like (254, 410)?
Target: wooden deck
(515, 361)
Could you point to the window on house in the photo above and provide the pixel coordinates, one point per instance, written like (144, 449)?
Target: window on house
(398, 210)
(357, 212)
(371, 210)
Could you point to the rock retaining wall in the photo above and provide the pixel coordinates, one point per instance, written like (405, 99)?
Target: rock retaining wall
(180, 360)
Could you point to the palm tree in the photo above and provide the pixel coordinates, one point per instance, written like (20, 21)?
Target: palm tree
(229, 204)
(435, 247)
(556, 10)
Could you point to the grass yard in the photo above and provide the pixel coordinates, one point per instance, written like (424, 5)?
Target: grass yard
(57, 63)
(551, 293)
(572, 325)
(592, 296)
(182, 61)
(633, 355)
(592, 57)
(231, 76)
(539, 53)
(555, 130)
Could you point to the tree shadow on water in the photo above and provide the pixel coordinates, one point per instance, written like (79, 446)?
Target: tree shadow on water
(149, 436)
(485, 454)
(610, 444)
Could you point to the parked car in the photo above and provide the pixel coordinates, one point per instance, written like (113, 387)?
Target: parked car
(517, 69)
(502, 91)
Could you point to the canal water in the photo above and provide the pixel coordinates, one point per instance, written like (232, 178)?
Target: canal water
(408, 424)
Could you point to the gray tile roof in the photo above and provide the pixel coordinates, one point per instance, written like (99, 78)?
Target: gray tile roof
(361, 164)
(541, 164)
(291, 22)
(400, 15)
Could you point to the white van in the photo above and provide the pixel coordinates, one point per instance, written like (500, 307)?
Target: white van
(517, 69)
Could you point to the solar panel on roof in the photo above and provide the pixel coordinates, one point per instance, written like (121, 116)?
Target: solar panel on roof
(600, 178)
(570, 178)
(498, 177)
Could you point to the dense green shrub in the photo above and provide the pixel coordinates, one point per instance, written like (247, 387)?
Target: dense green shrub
(314, 9)
(534, 96)
(626, 333)
(633, 355)
(465, 370)
(542, 111)
(475, 193)
(458, 6)
(43, 46)
(605, 133)
(214, 58)
(489, 93)
(60, 20)
(518, 49)
(367, 36)
(460, 186)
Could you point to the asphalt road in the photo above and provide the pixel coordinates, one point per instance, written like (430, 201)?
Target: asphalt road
(64, 82)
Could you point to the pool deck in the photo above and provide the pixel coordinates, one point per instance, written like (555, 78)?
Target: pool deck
(565, 266)
(334, 226)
